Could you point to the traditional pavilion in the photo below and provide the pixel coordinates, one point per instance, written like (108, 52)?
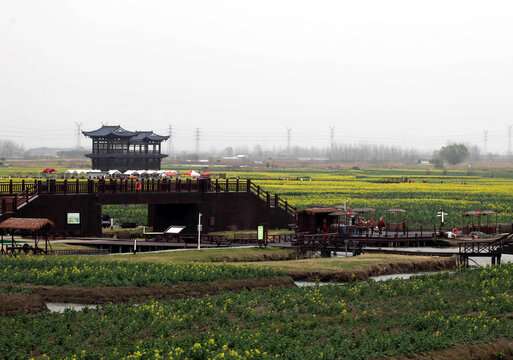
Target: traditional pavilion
(120, 149)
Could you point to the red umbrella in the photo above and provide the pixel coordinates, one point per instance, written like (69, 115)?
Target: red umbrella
(206, 173)
(188, 173)
(47, 171)
(170, 173)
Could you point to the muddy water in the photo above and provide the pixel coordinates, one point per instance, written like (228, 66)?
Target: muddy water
(61, 307)
(375, 278)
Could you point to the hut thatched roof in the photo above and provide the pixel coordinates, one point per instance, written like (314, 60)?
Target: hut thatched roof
(396, 210)
(341, 207)
(477, 212)
(316, 211)
(364, 209)
(30, 224)
(316, 206)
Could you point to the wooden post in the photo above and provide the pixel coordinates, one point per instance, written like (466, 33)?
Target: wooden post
(248, 185)
(276, 200)
(10, 187)
(39, 187)
(77, 184)
(23, 185)
(258, 190)
(237, 185)
(178, 185)
(4, 206)
(15, 203)
(65, 186)
(228, 185)
(217, 185)
(268, 199)
(287, 210)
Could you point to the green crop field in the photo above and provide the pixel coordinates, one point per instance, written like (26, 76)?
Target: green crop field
(79, 271)
(352, 321)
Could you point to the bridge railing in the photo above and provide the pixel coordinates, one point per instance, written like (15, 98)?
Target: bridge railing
(484, 246)
(16, 193)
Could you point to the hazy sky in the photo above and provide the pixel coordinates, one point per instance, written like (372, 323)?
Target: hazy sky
(410, 73)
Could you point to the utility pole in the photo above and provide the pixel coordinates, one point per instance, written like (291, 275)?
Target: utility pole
(289, 129)
(199, 231)
(197, 139)
(485, 135)
(170, 140)
(79, 134)
(509, 140)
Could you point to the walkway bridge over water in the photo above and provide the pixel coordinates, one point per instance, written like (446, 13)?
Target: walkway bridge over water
(224, 204)
(330, 243)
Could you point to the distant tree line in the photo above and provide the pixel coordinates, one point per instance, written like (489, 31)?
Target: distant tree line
(10, 150)
(451, 154)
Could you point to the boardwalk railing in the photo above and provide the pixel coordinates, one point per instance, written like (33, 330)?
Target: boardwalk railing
(493, 249)
(15, 194)
(484, 247)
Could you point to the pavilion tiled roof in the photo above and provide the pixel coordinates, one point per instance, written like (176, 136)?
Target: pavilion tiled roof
(107, 130)
(135, 136)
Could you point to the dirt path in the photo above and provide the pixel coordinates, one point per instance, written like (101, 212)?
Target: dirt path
(501, 349)
(104, 294)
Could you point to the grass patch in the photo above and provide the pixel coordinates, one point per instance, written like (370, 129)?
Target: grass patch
(249, 255)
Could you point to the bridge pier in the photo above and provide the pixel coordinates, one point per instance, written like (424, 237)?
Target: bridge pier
(462, 260)
(496, 259)
(325, 253)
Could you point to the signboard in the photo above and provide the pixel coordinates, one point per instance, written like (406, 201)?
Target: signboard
(174, 229)
(260, 232)
(349, 213)
(73, 218)
(478, 212)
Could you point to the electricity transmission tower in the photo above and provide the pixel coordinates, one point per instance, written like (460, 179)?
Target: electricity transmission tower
(485, 138)
(79, 134)
(197, 140)
(170, 140)
(289, 129)
(509, 140)
(332, 135)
